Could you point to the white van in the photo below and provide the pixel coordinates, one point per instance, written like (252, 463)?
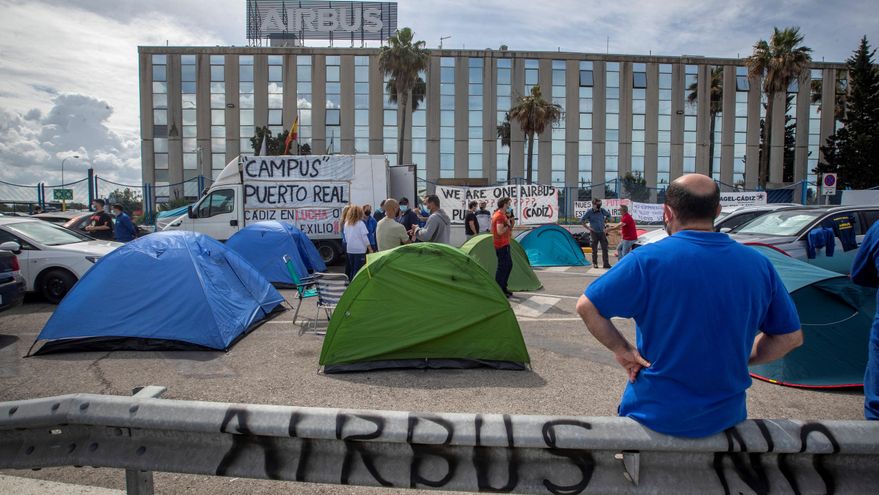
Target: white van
(308, 191)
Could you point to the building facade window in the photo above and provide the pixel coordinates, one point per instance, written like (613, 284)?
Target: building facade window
(474, 116)
(639, 116)
(663, 147)
(741, 131)
(612, 121)
(691, 110)
(218, 104)
(447, 117)
(504, 101)
(247, 126)
(419, 124)
(584, 152)
(160, 119)
(790, 130)
(303, 98)
(715, 128)
(189, 128)
(361, 104)
(814, 151)
(333, 121)
(558, 93)
(275, 90)
(390, 143)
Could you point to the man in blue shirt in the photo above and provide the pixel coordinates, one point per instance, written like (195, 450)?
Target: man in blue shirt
(595, 220)
(124, 230)
(698, 299)
(865, 271)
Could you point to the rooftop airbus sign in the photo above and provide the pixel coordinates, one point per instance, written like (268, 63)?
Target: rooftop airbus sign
(321, 20)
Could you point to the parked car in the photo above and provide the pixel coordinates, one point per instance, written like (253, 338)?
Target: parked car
(62, 217)
(52, 258)
(788, 230)
(730, 217)
(12, 285)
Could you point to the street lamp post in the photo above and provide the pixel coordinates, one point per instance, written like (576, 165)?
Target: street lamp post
(64, 201)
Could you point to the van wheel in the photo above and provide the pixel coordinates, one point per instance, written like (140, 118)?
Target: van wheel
(329, 251)
(56, 284)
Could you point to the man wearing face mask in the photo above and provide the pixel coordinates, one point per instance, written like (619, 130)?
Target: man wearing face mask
(407, 217)
(595, 220)
(124, 230)
(501, 231)
(371, 224)
(705, 307)
(380, 211)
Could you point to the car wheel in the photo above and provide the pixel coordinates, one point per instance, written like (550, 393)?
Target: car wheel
(329, 252)
(56, 284)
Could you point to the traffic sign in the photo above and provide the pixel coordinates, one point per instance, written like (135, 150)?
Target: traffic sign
(62, 194)
(828, 184)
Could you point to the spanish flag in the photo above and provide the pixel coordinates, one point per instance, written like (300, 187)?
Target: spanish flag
(292, 135)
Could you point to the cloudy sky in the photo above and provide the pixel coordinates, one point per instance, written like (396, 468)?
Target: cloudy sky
(68, 69)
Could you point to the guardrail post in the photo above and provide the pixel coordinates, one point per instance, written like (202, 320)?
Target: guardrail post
(139, 482)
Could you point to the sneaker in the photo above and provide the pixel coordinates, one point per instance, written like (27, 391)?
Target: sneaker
(607, 267)
(508, 294)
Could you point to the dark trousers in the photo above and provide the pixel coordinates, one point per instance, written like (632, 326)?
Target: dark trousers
(597, 238)
(504, 266)
(353, 263)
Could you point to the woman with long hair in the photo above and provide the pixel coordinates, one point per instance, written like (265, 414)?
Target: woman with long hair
(356, 240)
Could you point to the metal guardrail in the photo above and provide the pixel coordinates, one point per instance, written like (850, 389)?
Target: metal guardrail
(467, 452)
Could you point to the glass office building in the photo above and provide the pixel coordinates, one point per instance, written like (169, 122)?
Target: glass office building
(656, 117)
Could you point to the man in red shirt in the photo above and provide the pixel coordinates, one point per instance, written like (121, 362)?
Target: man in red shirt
(501, 230)
(628, 230)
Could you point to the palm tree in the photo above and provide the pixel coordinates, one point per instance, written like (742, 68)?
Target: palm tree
(402, 60)
(419, 91)
(533, 114)
(503, 133)
(779, 62)
(716, 107)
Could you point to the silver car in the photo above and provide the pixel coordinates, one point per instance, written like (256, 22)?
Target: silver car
(788, 230)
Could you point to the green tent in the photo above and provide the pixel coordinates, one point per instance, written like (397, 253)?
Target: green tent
(481, 248)
(423, 305)
(836, 316)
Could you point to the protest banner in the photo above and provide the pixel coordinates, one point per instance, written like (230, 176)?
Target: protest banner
(307, 191)
(532, 204)
(743, 198)
(641, 212)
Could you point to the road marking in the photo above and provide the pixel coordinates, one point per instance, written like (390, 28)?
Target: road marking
(534, 306)
(556, 269)
(548, 295)
(529, 319)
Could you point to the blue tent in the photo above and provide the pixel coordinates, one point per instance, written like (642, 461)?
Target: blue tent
(551, 245)
(263, 244)
(168, 290)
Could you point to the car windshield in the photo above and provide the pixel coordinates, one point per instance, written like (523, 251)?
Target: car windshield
(780, 223)
(46, 233)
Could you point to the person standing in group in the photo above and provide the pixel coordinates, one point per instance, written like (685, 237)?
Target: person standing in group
(124, 230)
(101, 223)
(407, 218)
(471, 223)
(356, 241)
(437, 226)
(595, 221)
(380, 211)
(501, 232)
(390, 233)
(371, 224)
(865, 272)
(705, 308)
(483, 217)
(628, 231)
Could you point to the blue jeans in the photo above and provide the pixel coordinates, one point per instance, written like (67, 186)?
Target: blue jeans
(353, 263)
(625, 248)
(871, 379)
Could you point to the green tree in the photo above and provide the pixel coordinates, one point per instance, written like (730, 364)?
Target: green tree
(305, 149)
(853, 150)
(534, 114)
(716, 106)
(130, 199)
(274, 144)
(635, 187)
(503, 133)
(402, 60)
(778, 62)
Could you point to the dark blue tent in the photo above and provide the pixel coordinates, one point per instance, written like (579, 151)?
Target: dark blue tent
(551, 245)
(168, 290)
(263, 244)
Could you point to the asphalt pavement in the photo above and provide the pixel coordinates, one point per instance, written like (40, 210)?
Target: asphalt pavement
(572, 375)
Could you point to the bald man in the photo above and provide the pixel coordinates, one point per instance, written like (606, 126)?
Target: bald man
(698, 299)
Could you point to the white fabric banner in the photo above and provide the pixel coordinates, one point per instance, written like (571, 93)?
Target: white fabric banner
(743, 198)
(311, 221)
(641, 212)
(646, 212)
(532, 204)
(297, 168)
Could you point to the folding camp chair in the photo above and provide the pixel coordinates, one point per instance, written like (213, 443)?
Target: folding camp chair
(330, 287)
(305, 287)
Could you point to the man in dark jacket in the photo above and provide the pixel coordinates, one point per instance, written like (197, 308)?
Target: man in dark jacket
(125, 230)
(101, 223)
(407, 217)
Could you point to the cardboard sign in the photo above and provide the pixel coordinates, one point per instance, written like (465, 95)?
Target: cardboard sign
(532, 204)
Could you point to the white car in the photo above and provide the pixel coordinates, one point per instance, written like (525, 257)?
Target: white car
(52, 258)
